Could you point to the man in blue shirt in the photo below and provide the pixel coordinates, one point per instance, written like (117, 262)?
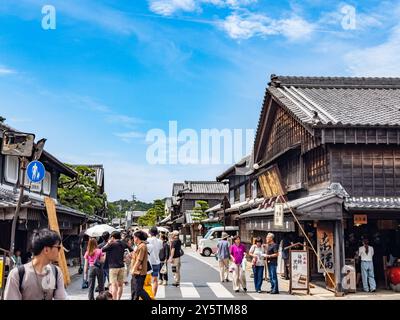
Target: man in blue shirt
(223, 257)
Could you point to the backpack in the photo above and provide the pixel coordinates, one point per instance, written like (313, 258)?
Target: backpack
(21, 273)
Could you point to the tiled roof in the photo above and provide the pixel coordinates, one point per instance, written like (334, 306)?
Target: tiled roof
(339, 100)
(205, 187)
(372, 203)
(9, 199)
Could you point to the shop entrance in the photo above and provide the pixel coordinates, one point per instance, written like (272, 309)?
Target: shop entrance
(383, 236)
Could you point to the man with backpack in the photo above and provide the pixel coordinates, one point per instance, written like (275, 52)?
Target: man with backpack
(38, 279)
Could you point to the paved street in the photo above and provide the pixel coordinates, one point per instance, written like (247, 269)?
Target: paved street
(200, 280)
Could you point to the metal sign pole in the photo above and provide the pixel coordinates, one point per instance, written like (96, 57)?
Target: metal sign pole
(17, 209)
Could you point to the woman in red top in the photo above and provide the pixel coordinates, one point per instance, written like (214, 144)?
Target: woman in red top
(94, 258)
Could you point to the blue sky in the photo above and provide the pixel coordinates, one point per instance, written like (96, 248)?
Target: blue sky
(113, 70)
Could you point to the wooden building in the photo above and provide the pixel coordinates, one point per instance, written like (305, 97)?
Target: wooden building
(185, 197)
(33, 214)
(336, 143)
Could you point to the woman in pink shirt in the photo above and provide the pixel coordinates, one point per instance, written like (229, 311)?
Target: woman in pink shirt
(94, 259)
(238, 253)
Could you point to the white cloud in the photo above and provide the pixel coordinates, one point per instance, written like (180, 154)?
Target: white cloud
(128, 136)
(123, 119)
(6, 71)
(295, 28)
(246, 25)
(168, 7)
(230, 3)
(381, 60)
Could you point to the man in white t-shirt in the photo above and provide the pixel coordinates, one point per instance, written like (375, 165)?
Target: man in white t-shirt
(154, 247)
(366, 254)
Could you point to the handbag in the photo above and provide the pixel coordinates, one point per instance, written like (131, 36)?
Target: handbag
(164, 269)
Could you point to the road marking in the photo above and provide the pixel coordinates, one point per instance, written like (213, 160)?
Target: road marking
(160, 292)
(219, 290)
(188, 290)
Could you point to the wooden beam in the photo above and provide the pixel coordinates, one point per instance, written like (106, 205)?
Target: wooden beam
(53, 225)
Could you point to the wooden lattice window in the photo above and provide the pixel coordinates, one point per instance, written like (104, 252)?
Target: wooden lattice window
(318, 166)
(285, 132)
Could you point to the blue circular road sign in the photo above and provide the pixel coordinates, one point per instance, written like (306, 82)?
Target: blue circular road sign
(35, 171)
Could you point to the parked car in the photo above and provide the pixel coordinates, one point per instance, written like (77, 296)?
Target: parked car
(208, 244)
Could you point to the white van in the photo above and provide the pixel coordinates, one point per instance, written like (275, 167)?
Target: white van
(208, 244)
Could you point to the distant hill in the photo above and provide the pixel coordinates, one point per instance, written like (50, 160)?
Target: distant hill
(131, 205)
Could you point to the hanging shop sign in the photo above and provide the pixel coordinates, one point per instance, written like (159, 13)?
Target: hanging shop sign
(278, 214)
(271, 183)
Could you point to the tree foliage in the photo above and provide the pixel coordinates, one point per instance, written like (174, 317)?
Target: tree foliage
(82, 193)
(199, 211)
(154, 214)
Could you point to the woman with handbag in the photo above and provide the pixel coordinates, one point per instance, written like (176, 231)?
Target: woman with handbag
(94, 258)
(164, 254)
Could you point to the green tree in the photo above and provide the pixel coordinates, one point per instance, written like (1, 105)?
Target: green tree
(154, 214)
(199, 211)
(82, 193)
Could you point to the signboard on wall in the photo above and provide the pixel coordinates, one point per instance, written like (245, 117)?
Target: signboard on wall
(271, 183)
(360, 219)
(299, 277)
(325, 246)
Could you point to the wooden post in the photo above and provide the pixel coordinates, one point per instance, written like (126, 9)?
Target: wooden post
(53, 225)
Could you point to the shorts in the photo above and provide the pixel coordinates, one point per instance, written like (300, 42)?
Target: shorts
(156, 270)
(117, 275)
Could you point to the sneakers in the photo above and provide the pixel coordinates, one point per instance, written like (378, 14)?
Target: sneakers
(164, 283)
(245, 289)
(176, 284)
(160, 282)
(236, 291)
(226, 280)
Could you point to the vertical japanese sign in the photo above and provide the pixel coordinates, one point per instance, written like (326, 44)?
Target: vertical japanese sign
(325, 246)
(299, 279)
(278, 215)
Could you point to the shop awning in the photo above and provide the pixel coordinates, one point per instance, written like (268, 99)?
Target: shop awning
(320, 206)
(376, 203)
(165, 220)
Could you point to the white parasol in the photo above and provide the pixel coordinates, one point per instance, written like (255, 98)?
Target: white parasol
(162, 229)
(98, 230)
